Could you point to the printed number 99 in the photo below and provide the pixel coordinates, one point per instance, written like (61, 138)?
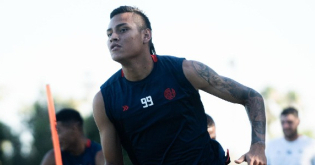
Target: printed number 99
(147, 101)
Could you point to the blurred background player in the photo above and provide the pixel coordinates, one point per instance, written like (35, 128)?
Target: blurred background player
(293, 148)
(211, 127)
(75, 147)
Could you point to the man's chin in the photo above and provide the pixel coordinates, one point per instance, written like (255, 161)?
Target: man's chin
(289, 135)
(117, 59)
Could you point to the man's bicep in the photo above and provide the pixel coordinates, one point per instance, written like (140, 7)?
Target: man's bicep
(203, 77)
(110, 141)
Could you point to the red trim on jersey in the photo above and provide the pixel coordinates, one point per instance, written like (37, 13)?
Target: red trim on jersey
(88, 143)
(154, 58)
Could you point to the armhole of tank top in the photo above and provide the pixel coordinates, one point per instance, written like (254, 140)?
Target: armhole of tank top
(106, 106)
(186, 83)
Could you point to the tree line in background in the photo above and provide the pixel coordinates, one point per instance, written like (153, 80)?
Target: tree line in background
(37, 122)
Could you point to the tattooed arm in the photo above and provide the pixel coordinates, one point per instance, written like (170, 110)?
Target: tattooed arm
(204, 78)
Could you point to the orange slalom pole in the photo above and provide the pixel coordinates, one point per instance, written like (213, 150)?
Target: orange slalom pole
(53, 126)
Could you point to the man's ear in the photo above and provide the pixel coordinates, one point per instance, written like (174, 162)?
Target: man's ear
(298, 122)
(147, 35)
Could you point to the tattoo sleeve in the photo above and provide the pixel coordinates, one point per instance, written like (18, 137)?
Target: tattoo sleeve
(233, 91)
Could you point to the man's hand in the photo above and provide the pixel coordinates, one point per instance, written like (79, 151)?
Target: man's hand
(255, 156)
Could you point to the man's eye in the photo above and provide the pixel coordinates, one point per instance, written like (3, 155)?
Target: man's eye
(109, 34)
(123, 30)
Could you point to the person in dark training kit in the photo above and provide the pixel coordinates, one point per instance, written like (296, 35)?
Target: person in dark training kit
(152, 108)
(211, 127)
(75, 147)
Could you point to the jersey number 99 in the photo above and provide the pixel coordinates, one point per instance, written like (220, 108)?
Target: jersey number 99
(147, 101)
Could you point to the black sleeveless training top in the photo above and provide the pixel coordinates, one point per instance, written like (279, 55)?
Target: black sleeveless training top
(86, 158)
(160, 119)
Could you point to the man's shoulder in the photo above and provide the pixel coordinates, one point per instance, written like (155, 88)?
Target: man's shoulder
(112, 79)
(93, 147)
(96, 145)
(169, 57)
(307, 139)
(169, 61)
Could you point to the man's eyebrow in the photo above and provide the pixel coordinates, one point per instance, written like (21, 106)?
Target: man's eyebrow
(117, 26)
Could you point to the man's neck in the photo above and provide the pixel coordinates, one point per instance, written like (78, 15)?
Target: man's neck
(138, 68)
(79, 148)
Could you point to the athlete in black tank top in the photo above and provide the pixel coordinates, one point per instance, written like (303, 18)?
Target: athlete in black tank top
(152, 107)
(164, 112)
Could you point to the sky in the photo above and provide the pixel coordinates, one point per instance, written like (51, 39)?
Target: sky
(63, 43)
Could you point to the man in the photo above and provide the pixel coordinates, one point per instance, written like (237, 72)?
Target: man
(211, 127)
(152, 106)
(75, 147)
(292, 148)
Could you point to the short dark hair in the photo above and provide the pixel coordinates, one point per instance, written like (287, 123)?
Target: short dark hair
(210, 121)
(290, 110)
(126, 9)
(69, 115)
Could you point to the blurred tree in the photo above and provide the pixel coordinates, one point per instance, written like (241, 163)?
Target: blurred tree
(10, 147)
(38, 123)
(90, 129)
(4, 136)
(270, 97)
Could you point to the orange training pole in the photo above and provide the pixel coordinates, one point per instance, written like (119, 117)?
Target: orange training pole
(53, 126)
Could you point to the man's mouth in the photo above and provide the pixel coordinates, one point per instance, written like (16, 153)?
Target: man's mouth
(114, 46)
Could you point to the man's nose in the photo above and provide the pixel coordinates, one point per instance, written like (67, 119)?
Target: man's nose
(114, 37)
(285, 125)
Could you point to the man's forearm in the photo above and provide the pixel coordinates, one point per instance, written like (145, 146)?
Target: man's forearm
(233, 91)
(256, 112)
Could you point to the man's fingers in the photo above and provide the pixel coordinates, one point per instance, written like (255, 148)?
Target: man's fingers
(240, 160)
